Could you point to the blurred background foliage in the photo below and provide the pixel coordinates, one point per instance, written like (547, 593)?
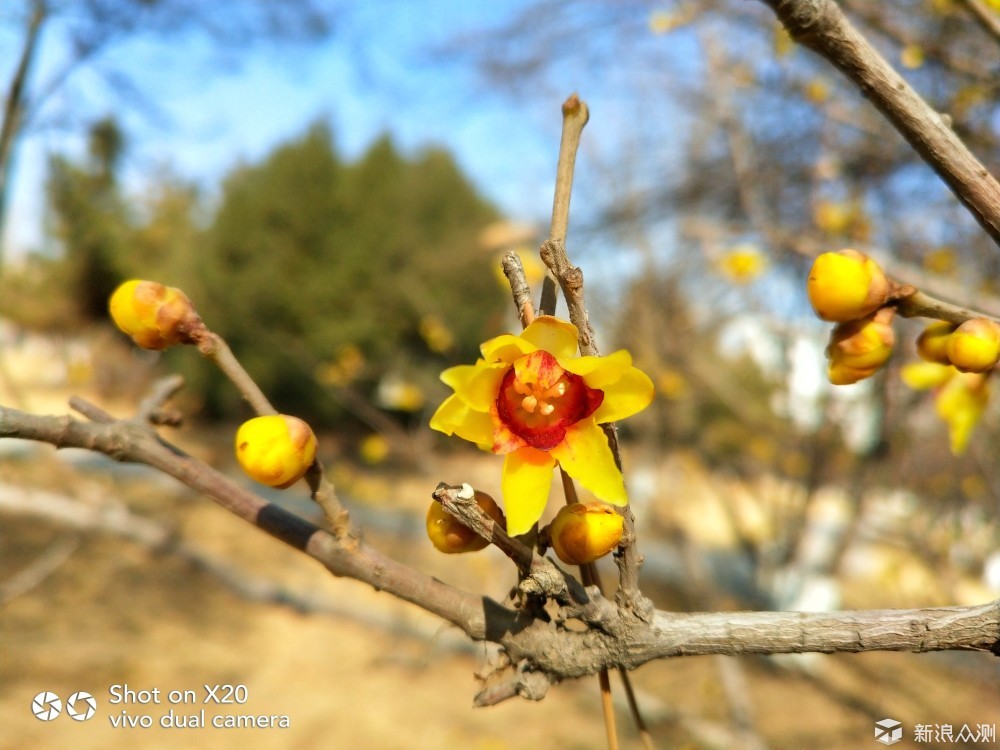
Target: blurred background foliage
(322, 275)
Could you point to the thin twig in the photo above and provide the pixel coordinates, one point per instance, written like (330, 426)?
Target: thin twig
(513, 269)
(921, 305)
(575, 115)
(214, 347)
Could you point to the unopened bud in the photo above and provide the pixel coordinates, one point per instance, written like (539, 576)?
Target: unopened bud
(154, 315)
(932, 343)
(276, 449)
(858, 349)
(846, 285)
(451, 536)
(974, 346)
(584, 532)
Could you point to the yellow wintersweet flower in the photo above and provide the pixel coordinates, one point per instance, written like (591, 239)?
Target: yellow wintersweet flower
(742, 264)
(922, 376)
(960, 403)
(535, 401)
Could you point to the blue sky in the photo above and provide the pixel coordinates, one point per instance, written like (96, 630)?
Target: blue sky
(372, 76)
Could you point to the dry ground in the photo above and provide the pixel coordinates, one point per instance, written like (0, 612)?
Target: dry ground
(378, 673)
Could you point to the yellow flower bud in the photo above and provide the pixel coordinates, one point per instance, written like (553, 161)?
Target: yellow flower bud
(451, 536)
(932, 343)
(858, 348)
(584, 532)
(960, 403)
(974, 346)
(846, 285)
(154, 315)
(275, 450)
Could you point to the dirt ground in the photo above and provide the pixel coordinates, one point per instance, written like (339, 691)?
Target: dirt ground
(373, 672)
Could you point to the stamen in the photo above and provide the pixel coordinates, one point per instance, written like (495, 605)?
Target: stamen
(523, 388)
(559, 389)
(528, 403)
(546, 409)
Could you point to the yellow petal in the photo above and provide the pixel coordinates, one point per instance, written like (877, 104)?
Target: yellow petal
(505, 348)
(599, 372)
(456, 376)
(454, 417)
(479, 389)
(632, 393)
(526, 480)
(586, 456)
(553, 335)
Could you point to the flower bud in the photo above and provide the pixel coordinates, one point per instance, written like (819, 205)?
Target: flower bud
(451, 536)
(584, 532)
(275, 450)
(154, 315)
(932, 343)
(960, 403)
(974, 346)
(858, 348)
(846, 285)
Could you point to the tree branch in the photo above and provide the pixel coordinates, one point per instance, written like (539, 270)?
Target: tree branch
(540, 645)
(822, 27)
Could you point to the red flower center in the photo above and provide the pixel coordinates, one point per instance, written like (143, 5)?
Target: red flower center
(538, 400)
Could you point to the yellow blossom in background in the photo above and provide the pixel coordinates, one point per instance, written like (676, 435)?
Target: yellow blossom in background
(535, 401)
(922, 376)
(912, 56)
(671, 384)
(817, 90)
(396, 392)
(960, 403)
(941, 260)
(661, 21)
(436, 334)
(348, 365)
(783, 43)
(742, 264)
(534, 269)
(374, 449)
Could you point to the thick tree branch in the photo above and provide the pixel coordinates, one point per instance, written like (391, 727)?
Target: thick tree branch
(544, 650)
(822, 27)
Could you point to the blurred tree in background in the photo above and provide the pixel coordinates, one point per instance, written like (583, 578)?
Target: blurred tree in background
(326, 277)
